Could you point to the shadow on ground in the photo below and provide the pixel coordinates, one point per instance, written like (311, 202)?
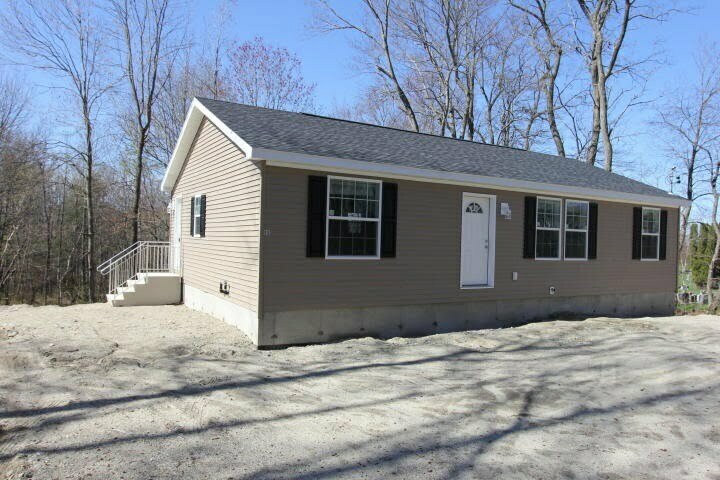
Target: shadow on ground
(162, 392)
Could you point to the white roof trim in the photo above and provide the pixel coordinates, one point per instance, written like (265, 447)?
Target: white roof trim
(340, 165)
(187, 135)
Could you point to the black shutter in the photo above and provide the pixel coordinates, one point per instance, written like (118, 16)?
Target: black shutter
(637, 233)
(388, 227)
(529, 234)
(317, 205)
(592, 231)
(202, 215)
(663, 235)
(192, 216)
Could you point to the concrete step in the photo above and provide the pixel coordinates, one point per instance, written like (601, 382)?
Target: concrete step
(148, 289)
(115, 299)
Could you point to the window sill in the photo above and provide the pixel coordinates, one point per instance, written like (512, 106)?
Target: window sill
(476, 287)
(350, 257)
(649, 259)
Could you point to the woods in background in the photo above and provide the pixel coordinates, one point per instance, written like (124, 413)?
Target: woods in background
(548, 75)
(76, 192)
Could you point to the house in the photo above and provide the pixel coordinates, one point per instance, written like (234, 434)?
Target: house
(299, 228)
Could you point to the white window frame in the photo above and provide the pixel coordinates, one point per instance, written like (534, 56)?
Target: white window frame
(586, 230)
(559, 229)
(329, 217)
(643, 234)
(197, 214)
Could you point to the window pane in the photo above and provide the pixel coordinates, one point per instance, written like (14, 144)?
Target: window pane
(348, 207)
(335, 204)
(650, 246)
(352, 238)
(548, 213)
(360, 208)
(373, 191)
(348, 190)
(650, 220)
(548, 244)
(335, 188)
(372, 209)
(576, 215)
(575, 244)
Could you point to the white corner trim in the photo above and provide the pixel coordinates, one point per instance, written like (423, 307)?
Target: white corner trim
(386, 170)
(194, 118)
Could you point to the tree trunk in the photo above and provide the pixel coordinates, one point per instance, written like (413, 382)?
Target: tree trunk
(138, 184)
(550, 108)
(595, 135)
(604, 126)
(90, 206)
(716, 252)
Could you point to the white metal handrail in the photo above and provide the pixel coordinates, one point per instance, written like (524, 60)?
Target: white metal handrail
(140, 257)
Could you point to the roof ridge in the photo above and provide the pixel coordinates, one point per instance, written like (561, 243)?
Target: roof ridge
(522, 157)
(397, 129)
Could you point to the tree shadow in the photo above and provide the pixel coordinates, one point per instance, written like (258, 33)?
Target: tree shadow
(472, 368)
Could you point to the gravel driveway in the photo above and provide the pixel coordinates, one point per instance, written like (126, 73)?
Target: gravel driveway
(164, 392)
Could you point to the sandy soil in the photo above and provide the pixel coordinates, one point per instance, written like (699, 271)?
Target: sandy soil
(164, 392)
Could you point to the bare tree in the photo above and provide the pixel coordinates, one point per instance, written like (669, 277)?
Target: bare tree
(608, 22)
(546, 33)
(714, 172)
(266, 76)
(376, 29)
(13, 101)
(145, 30)
(691, 120)
(63, 37)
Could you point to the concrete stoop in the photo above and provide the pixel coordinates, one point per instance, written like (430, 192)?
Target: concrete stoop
(148, 289)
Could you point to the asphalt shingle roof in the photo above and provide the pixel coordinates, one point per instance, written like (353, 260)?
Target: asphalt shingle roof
(316, 135)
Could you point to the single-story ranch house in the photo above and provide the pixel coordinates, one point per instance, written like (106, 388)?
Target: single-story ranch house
(299, 228)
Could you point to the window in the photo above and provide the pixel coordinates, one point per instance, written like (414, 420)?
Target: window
(547, 226)
(650, 242)
(576, 229)
(197, 215)
(353, 218)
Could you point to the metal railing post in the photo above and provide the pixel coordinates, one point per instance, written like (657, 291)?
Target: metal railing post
(146, 256)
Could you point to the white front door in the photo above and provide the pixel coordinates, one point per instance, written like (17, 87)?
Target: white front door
(475, 253)
(177, 233)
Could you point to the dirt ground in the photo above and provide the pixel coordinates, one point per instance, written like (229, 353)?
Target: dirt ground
(164, 392)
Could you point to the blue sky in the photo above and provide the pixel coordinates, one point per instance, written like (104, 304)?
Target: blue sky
(328, 62)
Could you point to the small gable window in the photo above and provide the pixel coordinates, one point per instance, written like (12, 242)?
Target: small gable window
(650, 244)
(197, 216)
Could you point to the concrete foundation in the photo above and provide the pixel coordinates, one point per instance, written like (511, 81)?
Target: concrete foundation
(317, 326)
(232, 313)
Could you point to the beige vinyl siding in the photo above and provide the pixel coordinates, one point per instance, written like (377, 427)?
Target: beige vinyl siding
(230, 250)
(427, 267)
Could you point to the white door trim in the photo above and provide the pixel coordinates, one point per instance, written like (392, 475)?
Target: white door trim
(491, 238)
